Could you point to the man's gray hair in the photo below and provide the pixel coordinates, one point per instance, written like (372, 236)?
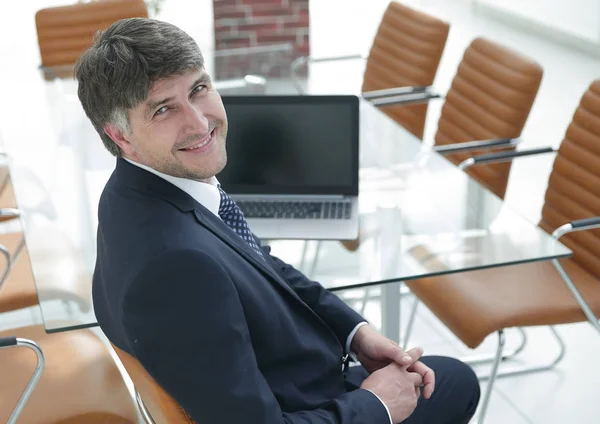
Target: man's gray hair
(117, 72)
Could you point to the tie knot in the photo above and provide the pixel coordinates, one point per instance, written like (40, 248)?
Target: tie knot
(227, 205)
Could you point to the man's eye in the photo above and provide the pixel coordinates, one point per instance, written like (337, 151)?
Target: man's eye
(198, 89)
(161, 110)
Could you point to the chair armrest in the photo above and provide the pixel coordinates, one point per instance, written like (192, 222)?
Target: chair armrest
(468, 146)
(8, 342)
(406, 99)
(503, 156)
(577, 225)
(7, 214)
(395, 91)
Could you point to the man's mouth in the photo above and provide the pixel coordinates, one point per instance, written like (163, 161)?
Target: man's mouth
(202, 143)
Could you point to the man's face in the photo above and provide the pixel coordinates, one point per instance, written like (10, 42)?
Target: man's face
(180, 129)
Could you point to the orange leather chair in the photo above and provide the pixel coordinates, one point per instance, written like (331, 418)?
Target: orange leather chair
(486, 107)
(155, 404)
(65, 32)
(490, 98)
(406, 52)
(476, 304)
(78, 383)
(402, 63)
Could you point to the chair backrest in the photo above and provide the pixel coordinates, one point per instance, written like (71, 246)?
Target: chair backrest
(406, 51)
(65, 32)
(574, 185)
(490, 97)
(161, 406)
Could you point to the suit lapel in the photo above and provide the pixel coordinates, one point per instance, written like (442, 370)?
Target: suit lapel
(221, 230)
(143, 181)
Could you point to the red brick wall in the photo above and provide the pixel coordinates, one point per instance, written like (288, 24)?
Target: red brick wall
(255, 23)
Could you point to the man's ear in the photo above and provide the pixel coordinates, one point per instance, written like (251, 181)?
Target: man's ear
(119, 138)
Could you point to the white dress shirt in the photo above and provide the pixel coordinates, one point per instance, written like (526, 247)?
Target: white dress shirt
(207, 194)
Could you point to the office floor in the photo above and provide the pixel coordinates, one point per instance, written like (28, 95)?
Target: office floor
(564, 395)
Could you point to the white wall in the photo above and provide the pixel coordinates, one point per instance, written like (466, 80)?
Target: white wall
(580, 18)
(342, 27)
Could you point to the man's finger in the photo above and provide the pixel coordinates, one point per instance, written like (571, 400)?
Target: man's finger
(416, 379)
(428, 377)
(395, 353)
(414, 354)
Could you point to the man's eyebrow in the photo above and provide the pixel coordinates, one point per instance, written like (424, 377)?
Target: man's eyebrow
(204, 79)
(150, 106)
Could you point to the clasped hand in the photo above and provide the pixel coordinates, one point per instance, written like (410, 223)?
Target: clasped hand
(396, 376)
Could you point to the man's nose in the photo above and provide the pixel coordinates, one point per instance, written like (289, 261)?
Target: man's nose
(195, 119)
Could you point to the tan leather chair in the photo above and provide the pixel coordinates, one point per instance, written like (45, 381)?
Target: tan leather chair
(80, 382)
(476, 304)
(490, 98)
(157, 406)
(65, 32)
(402, 63)
(406, 52)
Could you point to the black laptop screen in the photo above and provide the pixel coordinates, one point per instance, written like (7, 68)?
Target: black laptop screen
(291, 145)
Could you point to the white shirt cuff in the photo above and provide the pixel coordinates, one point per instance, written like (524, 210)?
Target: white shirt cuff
(384, 405)
(351, 336)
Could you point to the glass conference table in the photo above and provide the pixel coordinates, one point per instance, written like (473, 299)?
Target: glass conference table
(420, 215)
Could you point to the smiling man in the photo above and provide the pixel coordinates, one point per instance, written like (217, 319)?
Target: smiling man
(233, 333)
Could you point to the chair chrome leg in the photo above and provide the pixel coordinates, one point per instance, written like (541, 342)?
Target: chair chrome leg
(19, 248)
(410, 323)
(520, 370)
(313, 268)
(303, 257)
(590, 315)
(481, 359)
(365, 299)
(493, 374)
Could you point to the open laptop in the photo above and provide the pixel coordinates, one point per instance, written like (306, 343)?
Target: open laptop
(292, 165)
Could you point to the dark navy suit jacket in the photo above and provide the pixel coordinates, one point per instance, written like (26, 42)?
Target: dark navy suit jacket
(234, 338)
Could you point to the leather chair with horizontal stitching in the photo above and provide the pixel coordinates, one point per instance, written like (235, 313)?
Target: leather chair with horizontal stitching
(476, 304)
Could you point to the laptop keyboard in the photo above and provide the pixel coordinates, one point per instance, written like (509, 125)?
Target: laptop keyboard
(296, 210)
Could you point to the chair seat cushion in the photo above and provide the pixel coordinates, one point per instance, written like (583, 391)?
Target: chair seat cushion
(80, 382)
(477, 303)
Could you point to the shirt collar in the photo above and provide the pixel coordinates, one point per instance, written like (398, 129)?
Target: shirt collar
(205, 193)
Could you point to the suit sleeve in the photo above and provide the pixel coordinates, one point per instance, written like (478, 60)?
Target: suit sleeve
(339, 316)
(186, 325)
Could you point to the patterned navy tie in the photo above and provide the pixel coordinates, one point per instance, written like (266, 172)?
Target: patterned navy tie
(233, 216)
